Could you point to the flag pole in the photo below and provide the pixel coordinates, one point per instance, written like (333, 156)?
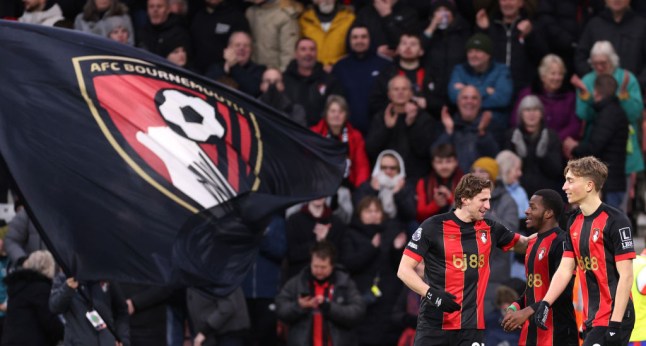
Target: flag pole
(57, 257)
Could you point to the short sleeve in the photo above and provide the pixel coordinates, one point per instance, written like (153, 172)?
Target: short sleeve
(505, 238)
(621, 238)
(568, 250)
(557, 251)
(419, 243)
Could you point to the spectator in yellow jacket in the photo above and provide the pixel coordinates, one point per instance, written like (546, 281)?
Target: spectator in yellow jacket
(327, 24)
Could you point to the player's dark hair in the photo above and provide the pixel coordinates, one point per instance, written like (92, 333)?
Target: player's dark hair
(324, 250)
(469, 186)
(553, 201)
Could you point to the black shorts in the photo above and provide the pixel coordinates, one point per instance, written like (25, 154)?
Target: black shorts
(597, 336)
(435, 337)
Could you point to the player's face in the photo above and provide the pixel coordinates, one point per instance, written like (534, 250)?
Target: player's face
(575, 188)
(321, 267)
(478, 205)
(535, 212)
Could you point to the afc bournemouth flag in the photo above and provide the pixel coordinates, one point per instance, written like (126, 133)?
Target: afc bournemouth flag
(135, 170)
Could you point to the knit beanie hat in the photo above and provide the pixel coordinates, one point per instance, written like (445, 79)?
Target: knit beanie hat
(480, 41)
(488, 164)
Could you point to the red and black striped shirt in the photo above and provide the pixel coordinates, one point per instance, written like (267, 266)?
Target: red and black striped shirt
(597, 242)
(542, 258)
(456, 256)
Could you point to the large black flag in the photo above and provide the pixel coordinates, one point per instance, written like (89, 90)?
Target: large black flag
(114, 150)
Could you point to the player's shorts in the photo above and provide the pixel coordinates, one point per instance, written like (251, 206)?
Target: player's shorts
(597, 336)
(435, 337)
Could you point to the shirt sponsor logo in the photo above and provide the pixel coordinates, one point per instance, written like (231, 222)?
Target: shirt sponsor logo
(418, 234)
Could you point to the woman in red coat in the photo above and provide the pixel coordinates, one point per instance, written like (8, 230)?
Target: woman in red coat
(335, 125)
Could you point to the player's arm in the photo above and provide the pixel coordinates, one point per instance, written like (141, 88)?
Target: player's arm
(440, 299)
(559, 282)
(409, 277)
(625, 270)
(521, 244)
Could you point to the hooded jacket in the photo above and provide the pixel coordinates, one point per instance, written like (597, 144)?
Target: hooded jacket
(404, 199)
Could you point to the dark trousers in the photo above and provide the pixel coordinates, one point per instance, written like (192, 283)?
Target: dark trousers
(262, 312)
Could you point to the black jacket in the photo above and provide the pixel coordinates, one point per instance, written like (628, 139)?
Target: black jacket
(28, 320)
(443, 51)
(343, 312)
(301, 237)
(148, 323)
(412, 142)
(210, 33)
(247, 77)
(424, 85)
(387, 30)
(368, 266)
(522, 56)
(558, 21)
(159, 39)
(404, 199)
(607, 141)
(312, 91)
(628, 37)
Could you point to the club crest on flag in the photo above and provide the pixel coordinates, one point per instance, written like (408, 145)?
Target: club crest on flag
(192, 144)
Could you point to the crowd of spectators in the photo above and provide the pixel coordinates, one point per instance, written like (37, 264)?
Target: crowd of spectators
(420, 92)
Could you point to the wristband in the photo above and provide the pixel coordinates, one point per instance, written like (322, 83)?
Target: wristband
(512, 307)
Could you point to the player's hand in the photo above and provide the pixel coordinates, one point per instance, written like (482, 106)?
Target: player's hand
(515, 319)
(442, 300)
(613, 334)
(540, 317)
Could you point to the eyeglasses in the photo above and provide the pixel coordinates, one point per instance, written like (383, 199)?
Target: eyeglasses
(386, 168)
